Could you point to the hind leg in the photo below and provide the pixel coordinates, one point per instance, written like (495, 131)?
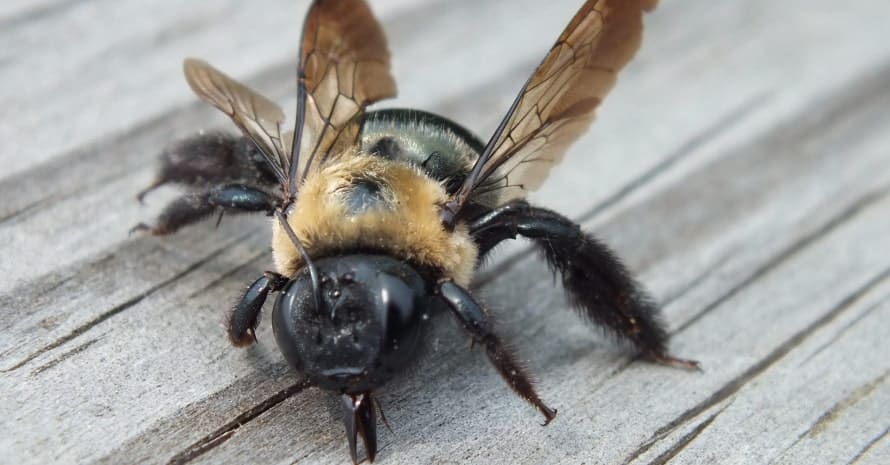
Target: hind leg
(598, 283)
(210, 159)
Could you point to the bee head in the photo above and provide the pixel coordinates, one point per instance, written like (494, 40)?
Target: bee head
(366, 329)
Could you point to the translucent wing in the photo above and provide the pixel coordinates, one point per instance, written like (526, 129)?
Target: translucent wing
(557, 103)
(344, 66)
(258, 117)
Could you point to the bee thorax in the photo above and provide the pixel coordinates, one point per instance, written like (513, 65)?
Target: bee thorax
(371, 204)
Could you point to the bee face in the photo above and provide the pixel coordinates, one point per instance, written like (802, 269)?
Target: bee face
(368, 328)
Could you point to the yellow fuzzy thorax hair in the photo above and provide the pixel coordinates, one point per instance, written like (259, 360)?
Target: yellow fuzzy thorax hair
(410, 230)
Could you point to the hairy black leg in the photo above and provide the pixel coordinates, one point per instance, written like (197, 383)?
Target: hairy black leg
(360, 419)
(211, 159)
(596, 280)
(245, 316)
(185, 210)
(495, 226)
(474, 321)
(194, 207)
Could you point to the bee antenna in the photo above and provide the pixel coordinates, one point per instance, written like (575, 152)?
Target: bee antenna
(313, 272)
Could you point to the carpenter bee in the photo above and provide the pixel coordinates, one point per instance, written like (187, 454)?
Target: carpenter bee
(380, 218)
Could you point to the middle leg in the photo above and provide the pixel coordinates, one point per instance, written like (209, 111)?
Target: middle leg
(474, 321)
(193, 207)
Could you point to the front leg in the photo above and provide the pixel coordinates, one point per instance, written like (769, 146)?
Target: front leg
(245, 316)
(473, 319)
(596, 280)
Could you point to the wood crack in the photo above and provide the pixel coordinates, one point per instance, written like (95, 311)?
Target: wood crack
(860, 393)
(225, 432)
(120, 307)
(46, 183)
(696, 281)
(799, 245)
(31, 208)
(228, 274)
(843, 331)
(687, 439)
(8, 217)
(728, 121)
(844, 216)
(868, 446)
(65, 356)
(826, 418)
(735, 384)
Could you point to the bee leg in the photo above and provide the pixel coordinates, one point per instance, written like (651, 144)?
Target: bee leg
(473, 319)
(596, 280)
(210, 159)
(194, 207)
(498, 225)
(360, 419)
(245, 315)
(185, 210)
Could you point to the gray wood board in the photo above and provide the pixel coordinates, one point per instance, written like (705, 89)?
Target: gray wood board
(741, 167)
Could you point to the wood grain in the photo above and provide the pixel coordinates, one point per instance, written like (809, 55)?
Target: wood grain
(741, 167)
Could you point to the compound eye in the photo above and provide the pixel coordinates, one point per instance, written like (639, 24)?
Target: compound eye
(398, 301)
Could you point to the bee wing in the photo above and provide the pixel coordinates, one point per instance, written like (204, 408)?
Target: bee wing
(557, 103)
(344, 66)
(258, 117)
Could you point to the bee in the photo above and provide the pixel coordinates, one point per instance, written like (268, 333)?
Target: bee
(381, 218)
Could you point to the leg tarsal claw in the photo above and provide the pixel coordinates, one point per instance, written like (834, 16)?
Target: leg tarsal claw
(669, 360)
(139, 228)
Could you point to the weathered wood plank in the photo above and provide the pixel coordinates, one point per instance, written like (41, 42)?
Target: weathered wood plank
(751, 194)
(852, 392)
(742, 194)
(68, 217)
(875, 452)
(652, 398)
(818, 403)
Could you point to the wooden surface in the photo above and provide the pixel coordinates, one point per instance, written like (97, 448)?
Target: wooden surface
(741, 167)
